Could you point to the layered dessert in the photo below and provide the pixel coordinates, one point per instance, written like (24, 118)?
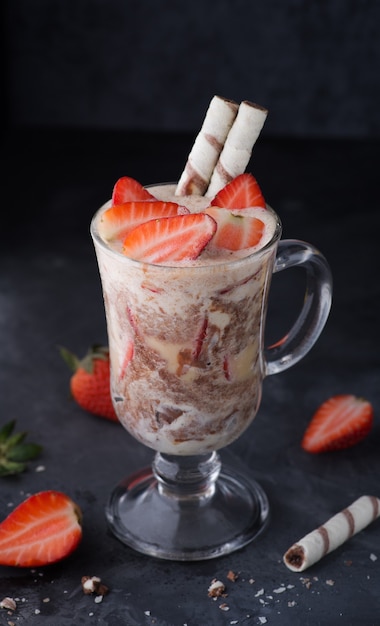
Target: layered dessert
(185, 278)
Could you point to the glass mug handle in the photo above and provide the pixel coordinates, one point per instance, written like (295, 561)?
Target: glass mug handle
(316, 305)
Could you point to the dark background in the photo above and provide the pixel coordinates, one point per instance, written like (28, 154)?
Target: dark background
(99, 89)
(154, 65)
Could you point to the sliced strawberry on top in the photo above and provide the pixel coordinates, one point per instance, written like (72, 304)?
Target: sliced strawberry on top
(241, 193)
(43, 529)
(235, 231)
(119, 219)
(127, 189)
(340, 422)
(178, 238)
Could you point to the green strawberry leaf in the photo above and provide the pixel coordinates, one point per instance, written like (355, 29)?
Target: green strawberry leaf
(15, 440)
(14, 453)
(6, 431)
(24, 452)
(8, 468)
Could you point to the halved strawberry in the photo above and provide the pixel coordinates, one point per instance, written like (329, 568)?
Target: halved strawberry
(340, 422)
(43, 529)
(127, 189)
(235, 231)
(119, 219)
(241, 193)
(178, 238)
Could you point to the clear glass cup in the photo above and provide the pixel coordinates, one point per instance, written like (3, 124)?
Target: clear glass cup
(187, 364)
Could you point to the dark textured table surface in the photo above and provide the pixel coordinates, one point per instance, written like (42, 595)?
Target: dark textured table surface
(326, 192)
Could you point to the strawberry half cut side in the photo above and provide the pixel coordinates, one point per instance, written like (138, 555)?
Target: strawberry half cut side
(178, 238)
(235, 232)
(241, 193)
(43, 529)
(120, 219)
(340, 422)
(127, 189)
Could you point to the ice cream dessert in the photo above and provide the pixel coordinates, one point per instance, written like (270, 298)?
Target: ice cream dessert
(185, 278)
(186, 340)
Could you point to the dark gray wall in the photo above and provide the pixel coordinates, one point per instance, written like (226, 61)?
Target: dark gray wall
(155, 64)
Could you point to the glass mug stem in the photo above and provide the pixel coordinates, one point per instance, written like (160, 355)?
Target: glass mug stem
(316, 306)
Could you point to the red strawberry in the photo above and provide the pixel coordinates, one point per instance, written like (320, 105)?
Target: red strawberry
(227, 368)
(340, 422)
(241, 193)
(90, 383)
(178, 238)
(128, 356)
(200, 339)
(235, 231)
(43, 529)
(120, 219)
(127, 189)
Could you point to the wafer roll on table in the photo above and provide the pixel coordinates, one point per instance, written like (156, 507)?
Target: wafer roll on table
(313, 546)
(207, 146)
(238, 146)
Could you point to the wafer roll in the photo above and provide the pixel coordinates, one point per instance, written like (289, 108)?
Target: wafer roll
(332, 534)
(207, 147)
(238, 146)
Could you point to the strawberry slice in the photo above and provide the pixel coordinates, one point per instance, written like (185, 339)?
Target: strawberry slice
(241, 193)
(120, 219)
(200, 339)
(340, 422)
(128, 356)
(178, 238)
(43, 529)
(127, 189)
(235, 231)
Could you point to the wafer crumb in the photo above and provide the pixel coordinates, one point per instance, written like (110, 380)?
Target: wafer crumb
(93, 584)
(216, 589)
(8, 603)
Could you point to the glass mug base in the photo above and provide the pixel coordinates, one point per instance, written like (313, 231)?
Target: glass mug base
(187, 509)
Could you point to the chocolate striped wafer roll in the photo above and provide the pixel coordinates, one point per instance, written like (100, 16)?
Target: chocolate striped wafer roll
(238, 146)
(332, 534)
(207, 147)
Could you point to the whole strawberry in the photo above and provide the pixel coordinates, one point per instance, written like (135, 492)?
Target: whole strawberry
(90, 382)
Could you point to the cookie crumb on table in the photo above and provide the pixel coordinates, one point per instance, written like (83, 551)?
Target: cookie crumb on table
(8, 603)
(216, 589)
(93, 584)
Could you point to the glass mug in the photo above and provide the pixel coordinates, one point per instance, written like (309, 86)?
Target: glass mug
(187, 364)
